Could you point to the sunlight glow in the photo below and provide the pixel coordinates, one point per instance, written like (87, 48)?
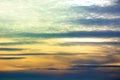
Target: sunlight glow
(86, 40)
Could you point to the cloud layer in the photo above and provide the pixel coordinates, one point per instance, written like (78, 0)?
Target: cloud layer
(33, 37)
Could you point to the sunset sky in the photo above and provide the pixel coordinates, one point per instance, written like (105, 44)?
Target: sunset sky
(59, 39)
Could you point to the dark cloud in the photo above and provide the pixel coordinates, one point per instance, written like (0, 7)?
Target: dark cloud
(79, 67)
(99, 60)
(85, 74)
(89, 43)
(11, 58)
(52, 69)
(11, 49)
(19, 43)
(83, 67)
(74, 34)
(114, 10)
(94, 34)
(117, 2)
(67, 34)
(61, 54)
(42, 54)
(97, 22)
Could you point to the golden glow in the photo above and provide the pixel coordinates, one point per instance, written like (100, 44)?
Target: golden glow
(6, 40)
(79, 53)
(85, 40)
(89, 40)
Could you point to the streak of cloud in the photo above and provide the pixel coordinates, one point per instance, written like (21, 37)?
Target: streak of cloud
(11, 49)
(11, 58)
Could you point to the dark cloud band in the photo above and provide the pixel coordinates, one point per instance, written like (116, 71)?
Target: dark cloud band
(10, 58)
(74, 34)
(11, 49)
(97, 22)
(103, 34)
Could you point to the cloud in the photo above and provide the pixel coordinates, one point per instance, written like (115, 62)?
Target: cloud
(11, 49)
(97, 22)
(34, 16)
(79, 67)
(42, 54)
(24, 15)
(90, 3)
(109, 59)
(117, 2)
(94, 16)
(18, 43)
(52, 69)
(11, 58)
(103, 34)
(114, 9)
(75, 34)
(89, 43)
(82, 75)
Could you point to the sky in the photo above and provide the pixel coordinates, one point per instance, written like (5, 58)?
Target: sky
(59, 40)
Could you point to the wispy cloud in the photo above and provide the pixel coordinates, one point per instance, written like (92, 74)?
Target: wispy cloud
(42, 54)
(18, 43)
(67, 34)
(11, 58)
(29, 25)
(79, 67)
(89, 43)
(11, 49)
(97, 22)
(114, 9)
